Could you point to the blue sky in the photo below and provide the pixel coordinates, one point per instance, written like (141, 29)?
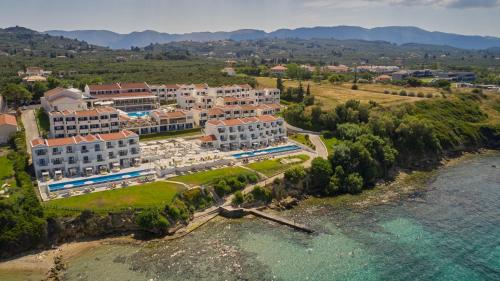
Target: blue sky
(480, 17)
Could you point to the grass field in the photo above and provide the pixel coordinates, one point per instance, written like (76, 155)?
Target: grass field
(169, 135)
(42, 120)
(6, 170)
(328, 95)
(329, 143)
(301, 138)
(273, 167)
(155, 194)
(206, 177)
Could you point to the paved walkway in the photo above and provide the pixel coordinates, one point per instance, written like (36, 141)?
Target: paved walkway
(29, 122)
(320, 146)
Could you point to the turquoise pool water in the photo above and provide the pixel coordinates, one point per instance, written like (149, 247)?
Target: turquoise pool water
(95, 180)
(138, 113)
(266, 151)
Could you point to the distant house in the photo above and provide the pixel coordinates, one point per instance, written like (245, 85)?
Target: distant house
(229, 71)
(383, 78)
(278, 70)
(308, 68)
(400, 75)
(60, 99)
(8, 127)
(33, 79)
(34, 71)
(336, 68)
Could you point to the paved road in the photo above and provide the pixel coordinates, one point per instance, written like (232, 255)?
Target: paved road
(320, 146)
(28, 118)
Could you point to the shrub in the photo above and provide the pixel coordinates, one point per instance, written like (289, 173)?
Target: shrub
(177, 210)
(354, 86)
(420, 95)
(394, 93)
(252, 178)
(196, 198)
(403, 93)
(263, 194)
(235, 184)
(429, 95)
(308, 100)
(238, 198)
(221, 188)
(152, 221)
(354, 183)
(411, 94)
(386, 92)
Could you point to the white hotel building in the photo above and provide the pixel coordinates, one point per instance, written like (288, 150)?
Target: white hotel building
(84, 155)
(250, 132)
(69, 123)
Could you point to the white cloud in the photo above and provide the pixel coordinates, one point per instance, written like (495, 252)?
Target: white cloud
(458, 4)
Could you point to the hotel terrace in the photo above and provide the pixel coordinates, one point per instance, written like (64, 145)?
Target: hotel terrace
(124, 96)
(84, 155)
(241, 133)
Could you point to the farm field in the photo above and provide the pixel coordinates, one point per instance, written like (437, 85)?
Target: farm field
(328, 95)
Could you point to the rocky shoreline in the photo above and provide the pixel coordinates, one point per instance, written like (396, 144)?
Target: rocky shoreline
(48, 264)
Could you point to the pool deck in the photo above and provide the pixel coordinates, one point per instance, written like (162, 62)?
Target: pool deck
(45, 194)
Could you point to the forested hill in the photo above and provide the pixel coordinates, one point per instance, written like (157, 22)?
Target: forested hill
(14, 40)
(393, 34)
(335, 51)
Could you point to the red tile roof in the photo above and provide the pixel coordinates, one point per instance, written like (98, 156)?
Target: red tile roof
(266, 118)
(171, 114)
(232, 122)
(37, 141)
(105, 87)
(125, 95)
(79, 139)
(52, 92)
(7, 119)
(208, 138)
(116, 136)
(141, 85)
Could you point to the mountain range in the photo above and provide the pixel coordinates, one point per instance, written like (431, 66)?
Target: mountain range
(393, 34)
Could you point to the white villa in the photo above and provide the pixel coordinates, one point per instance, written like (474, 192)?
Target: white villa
(84, 155)
(240, 133)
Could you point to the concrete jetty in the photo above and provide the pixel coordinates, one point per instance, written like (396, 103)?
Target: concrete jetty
(230, 212)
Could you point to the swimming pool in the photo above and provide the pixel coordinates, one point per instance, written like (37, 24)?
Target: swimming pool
(266, 151)
(138, 113)
(97, 180)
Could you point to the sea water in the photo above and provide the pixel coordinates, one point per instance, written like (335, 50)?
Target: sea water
(449, 231)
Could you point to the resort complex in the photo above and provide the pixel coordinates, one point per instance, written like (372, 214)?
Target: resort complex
(94, 135)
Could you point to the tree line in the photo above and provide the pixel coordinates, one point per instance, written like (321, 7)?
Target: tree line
(370, 140)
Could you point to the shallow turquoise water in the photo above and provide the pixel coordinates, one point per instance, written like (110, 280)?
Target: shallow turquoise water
(449, 232)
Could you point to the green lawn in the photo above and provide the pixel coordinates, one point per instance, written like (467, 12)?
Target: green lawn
(274, 166)
(6, 171)
(206, 177)
(168, 135)
(155, 194)
(329, 143)
(301, 138)
(6, 168)
(42, 119)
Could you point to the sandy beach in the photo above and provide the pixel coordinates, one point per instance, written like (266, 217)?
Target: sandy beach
(34, 266)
